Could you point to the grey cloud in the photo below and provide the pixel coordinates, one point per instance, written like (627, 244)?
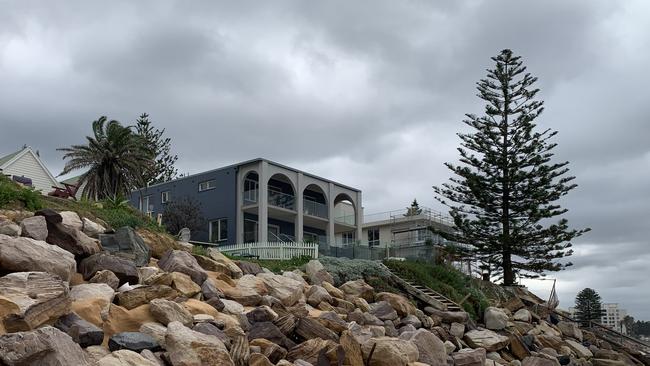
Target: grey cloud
(369, 93)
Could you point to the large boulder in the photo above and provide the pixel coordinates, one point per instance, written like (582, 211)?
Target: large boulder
(81, 331)
(484, 338)
(133, 341)
(570, 329)
(390, 352)
(359, 288)
(184, 284)
(34, 227)
(67, 237)
(159, 243)
(123, 268)
(184, 262)
(523, 315)
(30, 299)
(125, 358)
(126, 243)
(285, 289)
(8, 227)
(216, 255)
(247, 290)
(397, 302)
(120, 319)
(187, 347)
(92, 228)
(166, 311)
(383, 310)
(71, 220)
(46, 346)
(143, 295)
(431, 349)
(469, 357)
(317, 351)
(317, 273)
(25, 254)
(495, 318)
(580, 350)
(106, 277)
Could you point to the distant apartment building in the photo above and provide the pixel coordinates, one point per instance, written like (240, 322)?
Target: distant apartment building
(262, 201)
(612, 317)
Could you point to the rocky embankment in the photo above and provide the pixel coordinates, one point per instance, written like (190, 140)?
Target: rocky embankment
(74, 294)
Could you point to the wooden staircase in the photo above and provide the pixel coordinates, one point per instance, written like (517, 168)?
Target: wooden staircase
(425, 294)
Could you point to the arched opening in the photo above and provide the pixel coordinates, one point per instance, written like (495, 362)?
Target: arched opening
(251, 188)
(345, 220)
(314, 201)
(281, 192)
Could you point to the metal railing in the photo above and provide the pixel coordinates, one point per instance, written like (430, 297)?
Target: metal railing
(313, 208)
(424, 213)
(282, 200)
(345, 219)
(272, 250)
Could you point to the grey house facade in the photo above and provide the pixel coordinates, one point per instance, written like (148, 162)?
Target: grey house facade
(262, 201)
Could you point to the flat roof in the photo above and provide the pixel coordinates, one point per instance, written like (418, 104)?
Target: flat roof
(256, 160)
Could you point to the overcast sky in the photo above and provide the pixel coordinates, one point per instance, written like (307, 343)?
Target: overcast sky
(368, 93)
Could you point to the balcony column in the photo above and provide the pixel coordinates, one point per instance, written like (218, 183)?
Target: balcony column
(331, 240)
(263, 203)
(298, 223)
(358, 216)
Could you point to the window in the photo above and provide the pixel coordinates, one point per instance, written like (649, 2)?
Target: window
(310, 237)
(207, 185)
(145, 205)
(218, 230)
(347, 237)
(164, 197)
(373, 237)
(250, 191)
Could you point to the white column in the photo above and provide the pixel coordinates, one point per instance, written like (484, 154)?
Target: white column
(330, 209)
(239, 217)
(359, 217)
(263, 204)
(299, 209)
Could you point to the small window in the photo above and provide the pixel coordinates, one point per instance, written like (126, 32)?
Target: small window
(218, 230)
(348, 238)
(164, 197)
(208, 184)
(373, 237)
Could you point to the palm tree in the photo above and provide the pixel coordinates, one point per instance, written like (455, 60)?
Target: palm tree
(115, 159)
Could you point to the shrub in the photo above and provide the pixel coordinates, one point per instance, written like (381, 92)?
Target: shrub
(344, 269)
(12, 193)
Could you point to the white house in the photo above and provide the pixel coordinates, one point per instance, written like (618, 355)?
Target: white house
(26, 163)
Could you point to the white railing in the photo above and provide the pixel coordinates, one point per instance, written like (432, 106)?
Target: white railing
(272, 250)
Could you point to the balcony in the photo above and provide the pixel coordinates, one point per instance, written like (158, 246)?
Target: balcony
(282, 200)
(313, 208)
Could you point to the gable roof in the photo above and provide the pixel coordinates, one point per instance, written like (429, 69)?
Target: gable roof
(7, 160)
(8, 157)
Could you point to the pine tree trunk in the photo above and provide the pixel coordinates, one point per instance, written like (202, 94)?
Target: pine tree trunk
(508, 277)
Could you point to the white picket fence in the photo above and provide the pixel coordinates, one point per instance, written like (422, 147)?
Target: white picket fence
(272, 250)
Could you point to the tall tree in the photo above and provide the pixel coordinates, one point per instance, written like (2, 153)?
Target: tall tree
(588, 307)
(162, 170)
(183, 213)
(114, 159)
(504, 193)
(414, 210)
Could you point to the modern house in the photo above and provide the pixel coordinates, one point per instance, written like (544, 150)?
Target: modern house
(262, 201)
(25, 166)
(612, 316)
(405, 228)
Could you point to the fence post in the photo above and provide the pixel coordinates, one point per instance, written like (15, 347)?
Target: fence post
(282, 251)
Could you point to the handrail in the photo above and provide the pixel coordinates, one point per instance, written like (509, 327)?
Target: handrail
(592, 323)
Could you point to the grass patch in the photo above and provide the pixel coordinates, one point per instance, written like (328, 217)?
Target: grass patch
(446, 280)
(277, 266)
(199, 250)
(13, 195)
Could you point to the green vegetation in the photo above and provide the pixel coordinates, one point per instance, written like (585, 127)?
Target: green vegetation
(277, 266)
(12, 195)
(446, 280)
(115, 213)
(588, 307)
(199, 250)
